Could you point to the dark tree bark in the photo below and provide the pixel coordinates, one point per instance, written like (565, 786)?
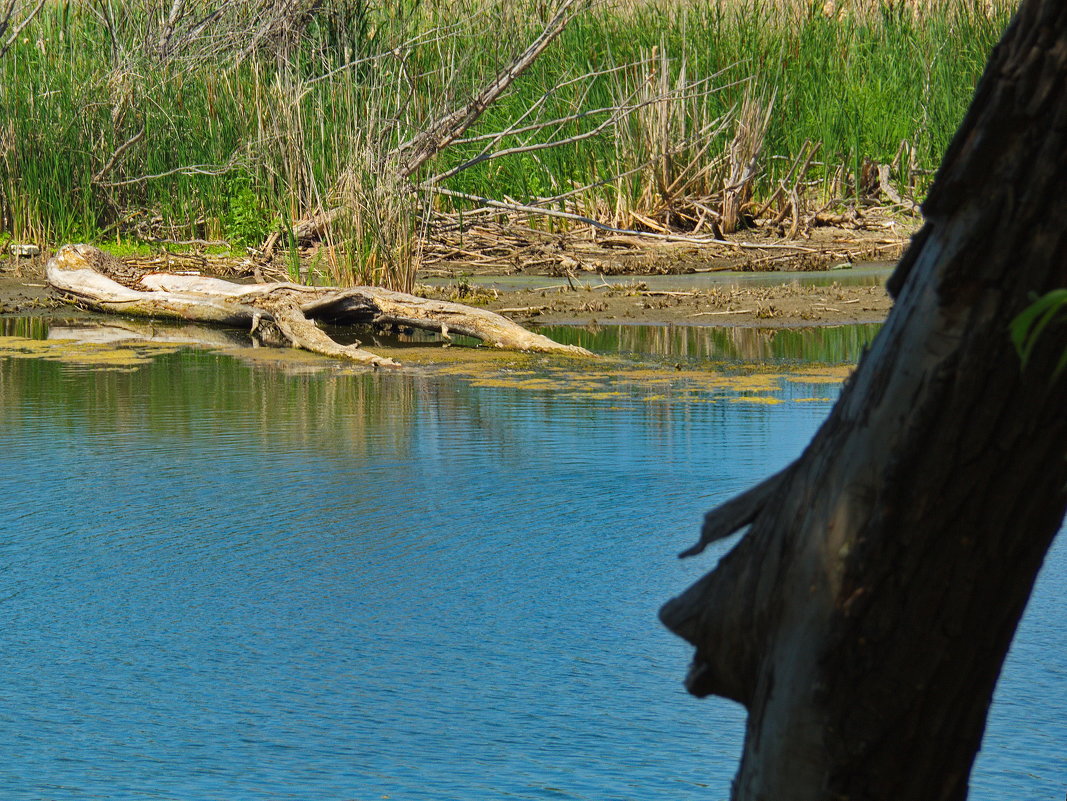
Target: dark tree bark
(864, 617)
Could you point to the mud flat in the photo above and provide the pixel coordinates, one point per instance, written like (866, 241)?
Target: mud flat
(778, 299)
(767, 299)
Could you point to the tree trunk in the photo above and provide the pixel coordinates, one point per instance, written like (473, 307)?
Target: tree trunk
(88, 275)
(864, 617)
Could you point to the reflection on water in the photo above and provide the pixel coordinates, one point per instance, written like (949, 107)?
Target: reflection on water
(224, 581)
(828, 344)
(238, 580)
(29, 327)
(831, 344)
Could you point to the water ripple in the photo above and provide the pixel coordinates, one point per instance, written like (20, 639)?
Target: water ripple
(221, 584)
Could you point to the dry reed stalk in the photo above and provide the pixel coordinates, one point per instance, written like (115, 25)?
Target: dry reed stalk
(743, 154)
(664, 141)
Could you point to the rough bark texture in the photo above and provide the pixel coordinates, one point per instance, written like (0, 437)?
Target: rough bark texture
(89, 275)
(864, 617)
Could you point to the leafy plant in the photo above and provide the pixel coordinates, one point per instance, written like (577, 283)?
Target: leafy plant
(246, 222)
(1027, 328)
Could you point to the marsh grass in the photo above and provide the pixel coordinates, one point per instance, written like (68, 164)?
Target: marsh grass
(120, 124)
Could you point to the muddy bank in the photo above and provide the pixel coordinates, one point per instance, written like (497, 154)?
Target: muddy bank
(23, 289)
(638, 302)
(768, 300)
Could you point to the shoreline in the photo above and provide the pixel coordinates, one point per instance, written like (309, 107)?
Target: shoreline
(791, 301)
(779, 299)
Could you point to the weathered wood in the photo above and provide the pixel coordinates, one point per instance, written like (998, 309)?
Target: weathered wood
(737, 513)
(864, 617)
(81, 272)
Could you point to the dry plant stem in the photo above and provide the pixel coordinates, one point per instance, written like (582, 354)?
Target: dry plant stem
(752, 124)
(81, 273)
(709, 132)
(807, 153)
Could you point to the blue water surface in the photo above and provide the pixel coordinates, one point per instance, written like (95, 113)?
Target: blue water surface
(223, 582)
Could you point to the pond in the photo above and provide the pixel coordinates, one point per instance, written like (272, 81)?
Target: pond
(231, 575)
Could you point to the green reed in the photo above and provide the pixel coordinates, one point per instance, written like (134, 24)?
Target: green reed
(102, 137)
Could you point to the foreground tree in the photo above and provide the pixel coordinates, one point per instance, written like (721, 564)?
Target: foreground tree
(864, 617)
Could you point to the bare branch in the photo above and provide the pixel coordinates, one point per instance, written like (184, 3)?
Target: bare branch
(515, 131)
(511, 151)
(708, 132)
(177, 11)
(18, 28)
(444, 131)
(188, 169)
(133, 140)
(9, 11)
(618, 112)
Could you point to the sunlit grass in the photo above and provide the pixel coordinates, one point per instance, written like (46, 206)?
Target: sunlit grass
(97, 143)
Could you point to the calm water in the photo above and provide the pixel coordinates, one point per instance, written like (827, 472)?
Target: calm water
(227, 581)
(865, 274)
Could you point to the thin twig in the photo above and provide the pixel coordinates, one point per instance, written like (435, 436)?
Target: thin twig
(19, 28)
(709, 314)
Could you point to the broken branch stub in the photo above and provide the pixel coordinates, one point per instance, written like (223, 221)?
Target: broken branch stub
(93, 278)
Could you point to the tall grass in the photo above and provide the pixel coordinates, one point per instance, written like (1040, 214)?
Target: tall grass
(112, 127)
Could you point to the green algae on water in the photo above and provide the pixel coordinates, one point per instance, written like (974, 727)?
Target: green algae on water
(114, 356)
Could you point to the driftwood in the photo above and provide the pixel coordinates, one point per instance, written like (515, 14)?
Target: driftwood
(288, 311)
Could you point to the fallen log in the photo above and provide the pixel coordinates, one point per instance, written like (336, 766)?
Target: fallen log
(95, 279)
